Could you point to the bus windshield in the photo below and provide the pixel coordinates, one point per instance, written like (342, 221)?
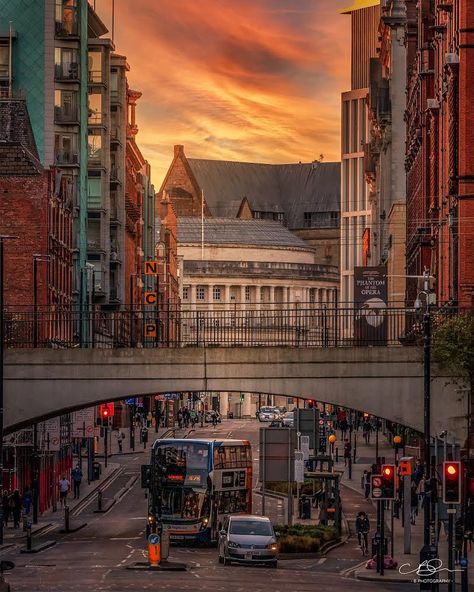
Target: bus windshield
(184, 502)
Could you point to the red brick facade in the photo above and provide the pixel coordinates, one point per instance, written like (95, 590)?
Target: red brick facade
(440, 147)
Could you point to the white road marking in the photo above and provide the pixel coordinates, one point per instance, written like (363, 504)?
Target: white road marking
(125, 538)
(322, 560)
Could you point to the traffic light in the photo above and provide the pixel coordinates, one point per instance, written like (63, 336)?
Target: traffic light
(452, 482)
(388, 482)
(106, 411)
(310, 404)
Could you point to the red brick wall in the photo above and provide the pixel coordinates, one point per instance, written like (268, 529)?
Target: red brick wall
(24, 213)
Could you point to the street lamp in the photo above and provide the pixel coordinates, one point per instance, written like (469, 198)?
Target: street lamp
(3, 238)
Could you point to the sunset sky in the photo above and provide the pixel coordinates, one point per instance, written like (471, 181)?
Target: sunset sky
(251, 80)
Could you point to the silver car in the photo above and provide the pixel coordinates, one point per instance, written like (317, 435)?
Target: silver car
(288, 419)
(248, 539)
(267, 414)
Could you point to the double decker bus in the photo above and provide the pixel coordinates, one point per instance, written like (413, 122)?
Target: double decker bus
(194, 484)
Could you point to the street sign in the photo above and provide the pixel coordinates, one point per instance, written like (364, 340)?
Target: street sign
(50, 434)
(376, 486)
(83, 423)
(304, 445)
(132, 401)
(299, 466)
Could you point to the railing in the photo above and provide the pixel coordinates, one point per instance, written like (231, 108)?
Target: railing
(302, 325)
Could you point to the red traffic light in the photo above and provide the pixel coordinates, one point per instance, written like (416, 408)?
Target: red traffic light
(387, 471)
(451, 469)
(107, 410)
(452, 482)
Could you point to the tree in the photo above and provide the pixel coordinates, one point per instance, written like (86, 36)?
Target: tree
(453, 349)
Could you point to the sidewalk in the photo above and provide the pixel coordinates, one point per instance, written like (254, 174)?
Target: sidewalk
(353, 501)
(50, 520)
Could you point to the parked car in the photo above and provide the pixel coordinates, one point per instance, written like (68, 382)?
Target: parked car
(268, 414)
(248, 539)
(288, 419)
(210, 414)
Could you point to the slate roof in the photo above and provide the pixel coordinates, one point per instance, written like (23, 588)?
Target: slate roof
(222, 231)
(289, 188)
(18, 153)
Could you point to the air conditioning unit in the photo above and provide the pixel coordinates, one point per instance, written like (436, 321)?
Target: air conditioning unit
(452, 58)
(432, 104)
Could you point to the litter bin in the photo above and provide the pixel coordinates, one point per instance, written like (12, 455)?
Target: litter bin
(96, 470)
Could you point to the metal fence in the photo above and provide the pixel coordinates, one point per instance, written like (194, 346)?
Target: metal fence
(302, 325)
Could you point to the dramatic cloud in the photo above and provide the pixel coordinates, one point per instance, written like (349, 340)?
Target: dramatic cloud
(253, 80)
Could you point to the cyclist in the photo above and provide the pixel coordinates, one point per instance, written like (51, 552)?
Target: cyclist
(362, 528)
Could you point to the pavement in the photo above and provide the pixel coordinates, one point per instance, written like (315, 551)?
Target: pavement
(96, 557)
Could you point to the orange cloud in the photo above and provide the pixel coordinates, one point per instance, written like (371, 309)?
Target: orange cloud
(255, 80)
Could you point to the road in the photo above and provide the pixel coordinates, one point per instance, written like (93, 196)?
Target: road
(95, 558)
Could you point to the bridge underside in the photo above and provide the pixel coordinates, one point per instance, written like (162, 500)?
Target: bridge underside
(384, 381)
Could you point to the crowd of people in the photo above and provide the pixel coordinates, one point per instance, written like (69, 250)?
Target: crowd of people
(14, 505)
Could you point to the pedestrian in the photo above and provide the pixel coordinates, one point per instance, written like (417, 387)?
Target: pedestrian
(120, 438)
(76, 480)
(347, 451)
(317, 497)
(179, 417)
(144, 436)
(366, 484)
(64, 486)
(419, 472)
(413, 503)
(193, 417)
(344, 425)
(6, 507)
(366, 429)
(15, 506)
(27, 501)
(214, 418)
(158, 417)
(201, 417)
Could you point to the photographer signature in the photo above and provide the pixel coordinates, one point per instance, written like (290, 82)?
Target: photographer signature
(428, 567)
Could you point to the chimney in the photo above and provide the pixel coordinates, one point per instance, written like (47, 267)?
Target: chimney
(178, 149)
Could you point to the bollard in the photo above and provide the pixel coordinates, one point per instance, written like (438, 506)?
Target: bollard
(99, 500)
(350, 467)
(66, 518)
(28, 537)
(337, 454)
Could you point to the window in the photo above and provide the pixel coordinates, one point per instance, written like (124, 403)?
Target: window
(95, 108)
(216, 293)
(66, 64)
(66, 18)
(94, 66)
(312, 295)
(114, 84)
(94, 145)
(200, 293)
(4, 59)
(94, 192)
(186, 293)
(65, 106)
(247, 293)
(65, 149)
(307, 219)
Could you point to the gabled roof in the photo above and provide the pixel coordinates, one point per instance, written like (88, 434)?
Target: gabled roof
(234, 231)
(289, 188)
(18, 153)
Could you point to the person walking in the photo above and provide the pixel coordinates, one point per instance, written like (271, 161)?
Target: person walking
(347, 451)
(366, 429)
(362, 526)
(413, 502)
(15, 505)
(366, 484)
(120, 438)
(214, 418)
(76, 480)
(179, 417)
(6, 507)
(64, 486)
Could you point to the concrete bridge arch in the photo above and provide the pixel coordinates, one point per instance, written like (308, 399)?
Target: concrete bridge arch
(384, 381)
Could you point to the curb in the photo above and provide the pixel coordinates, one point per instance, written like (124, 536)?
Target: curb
(90, 496)
(164, 566)
(40, 547)
(73, 529)
(377, 578)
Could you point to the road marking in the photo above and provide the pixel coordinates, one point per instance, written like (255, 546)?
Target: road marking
(125, 538)
(322, 560)
(138, 518)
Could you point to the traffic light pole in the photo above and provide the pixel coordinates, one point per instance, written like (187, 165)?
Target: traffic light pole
(451, 574)
(106, 444)
(382, 536)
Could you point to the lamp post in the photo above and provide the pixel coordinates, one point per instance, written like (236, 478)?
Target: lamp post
(3, 238)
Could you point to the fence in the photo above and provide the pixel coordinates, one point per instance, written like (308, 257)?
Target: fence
(302, 325)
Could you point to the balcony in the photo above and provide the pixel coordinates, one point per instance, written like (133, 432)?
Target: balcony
(67, 72)
(66, 114)
(66, 158)
(67, 28)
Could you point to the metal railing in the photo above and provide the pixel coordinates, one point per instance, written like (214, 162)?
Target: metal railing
(302, 325)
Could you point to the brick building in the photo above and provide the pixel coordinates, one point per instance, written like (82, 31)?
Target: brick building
(36, 206)
(440, 147)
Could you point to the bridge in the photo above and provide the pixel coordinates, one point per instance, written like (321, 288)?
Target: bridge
(307, 355)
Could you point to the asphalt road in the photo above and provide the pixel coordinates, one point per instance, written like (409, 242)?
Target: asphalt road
(96, 557)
